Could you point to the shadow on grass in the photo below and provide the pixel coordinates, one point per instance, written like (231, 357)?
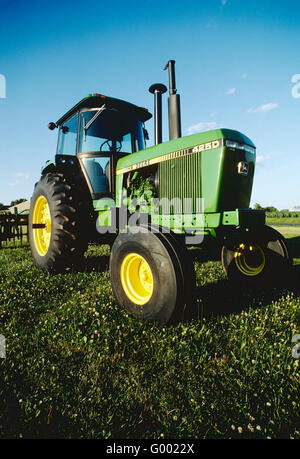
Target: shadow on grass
(98, 264)
(224, 297)
(293, 244)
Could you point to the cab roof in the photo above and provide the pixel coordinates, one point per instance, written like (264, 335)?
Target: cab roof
(98, 100)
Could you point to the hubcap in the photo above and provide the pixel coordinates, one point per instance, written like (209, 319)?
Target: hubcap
(250, 259)
(42, 216)
(136, 279)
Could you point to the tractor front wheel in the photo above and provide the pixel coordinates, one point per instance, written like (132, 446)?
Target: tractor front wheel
(152, 274)
(255, 257)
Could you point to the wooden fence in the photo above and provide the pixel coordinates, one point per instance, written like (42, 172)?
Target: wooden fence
(13, 229)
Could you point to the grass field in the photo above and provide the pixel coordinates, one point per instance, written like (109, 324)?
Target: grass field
(285, 220)
(278, 217)
(79, 367)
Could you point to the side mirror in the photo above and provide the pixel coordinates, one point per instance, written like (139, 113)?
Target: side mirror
(65, 129)
(52, 126)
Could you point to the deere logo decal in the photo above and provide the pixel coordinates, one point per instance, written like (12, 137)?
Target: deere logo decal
(175, 154)
(243, 168)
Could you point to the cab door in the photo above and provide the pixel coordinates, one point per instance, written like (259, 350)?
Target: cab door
(105, 135)
(98, 172)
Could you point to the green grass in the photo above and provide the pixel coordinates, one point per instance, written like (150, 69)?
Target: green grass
(283, 217)
(77, 366)
(285, 220)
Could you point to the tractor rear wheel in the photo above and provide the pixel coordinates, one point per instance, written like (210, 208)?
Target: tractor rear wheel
(57, 236)
(256, 256)
(152, 274)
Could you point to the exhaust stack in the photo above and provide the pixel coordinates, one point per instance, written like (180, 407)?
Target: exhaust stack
(173, 104)
(157, 89)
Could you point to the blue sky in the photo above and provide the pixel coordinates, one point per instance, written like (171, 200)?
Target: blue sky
(235, 61)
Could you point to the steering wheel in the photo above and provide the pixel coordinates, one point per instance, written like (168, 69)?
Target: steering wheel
(112, 144)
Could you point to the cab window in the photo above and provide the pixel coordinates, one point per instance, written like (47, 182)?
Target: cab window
(67, 137)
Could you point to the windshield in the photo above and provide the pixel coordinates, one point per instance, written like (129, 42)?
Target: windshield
(110, 130)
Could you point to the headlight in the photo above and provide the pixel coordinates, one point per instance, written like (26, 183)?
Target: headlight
(231, 144)
(249, 149)
(240, 146)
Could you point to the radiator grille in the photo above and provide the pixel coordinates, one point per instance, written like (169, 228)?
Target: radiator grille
(179, 178)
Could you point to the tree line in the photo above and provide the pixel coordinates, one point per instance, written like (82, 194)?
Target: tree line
(274, 212)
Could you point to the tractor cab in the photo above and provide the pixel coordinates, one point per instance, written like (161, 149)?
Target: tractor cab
(99, 130)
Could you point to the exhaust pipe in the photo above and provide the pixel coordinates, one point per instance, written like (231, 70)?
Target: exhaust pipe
(157, 89)
(173, 104)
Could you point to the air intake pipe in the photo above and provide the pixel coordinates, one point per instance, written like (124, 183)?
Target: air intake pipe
(173, 103)
(157, 89)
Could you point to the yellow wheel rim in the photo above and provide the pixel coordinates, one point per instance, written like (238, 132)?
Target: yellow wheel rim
(137, 279)
(42, 216)
(250, 259)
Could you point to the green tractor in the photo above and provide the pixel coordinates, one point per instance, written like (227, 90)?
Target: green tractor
(150, 204)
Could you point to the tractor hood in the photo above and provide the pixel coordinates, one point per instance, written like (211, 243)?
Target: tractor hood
(215, 166)
(182, 146)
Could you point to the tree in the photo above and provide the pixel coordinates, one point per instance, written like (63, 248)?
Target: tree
(267, 209)
(271, 209)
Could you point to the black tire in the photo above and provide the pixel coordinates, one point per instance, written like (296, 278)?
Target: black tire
(68, 237)
(172, 273)
(268, 263)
